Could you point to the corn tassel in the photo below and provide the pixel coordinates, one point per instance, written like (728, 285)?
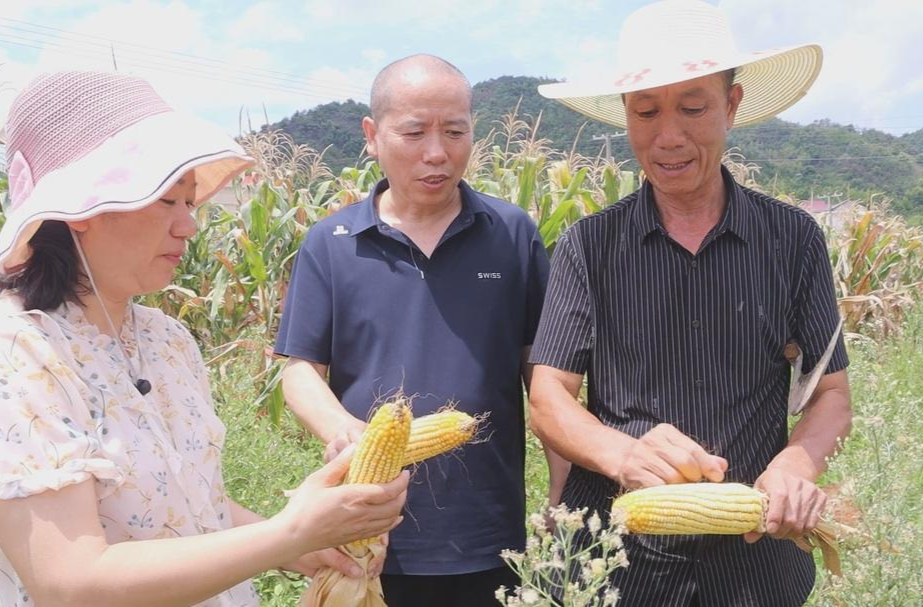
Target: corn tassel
(438, 433)
(380, 453)
(712, 508)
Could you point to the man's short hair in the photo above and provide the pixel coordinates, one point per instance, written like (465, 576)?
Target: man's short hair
(380, 97)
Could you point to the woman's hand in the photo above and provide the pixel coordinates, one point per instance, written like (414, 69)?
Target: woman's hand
(321, 514)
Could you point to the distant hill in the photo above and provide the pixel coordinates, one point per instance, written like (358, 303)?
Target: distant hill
(335, 126)
(817, 159)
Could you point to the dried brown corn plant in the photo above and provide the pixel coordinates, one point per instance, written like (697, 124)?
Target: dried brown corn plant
(743, 172)
(480, 163)
(533, 146)
(520, 139)
(284, 163)
(877, 268)
(510, 128)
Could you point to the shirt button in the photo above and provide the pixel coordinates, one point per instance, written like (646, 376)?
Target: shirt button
(694, 264)
(696, 324)
(699, 383)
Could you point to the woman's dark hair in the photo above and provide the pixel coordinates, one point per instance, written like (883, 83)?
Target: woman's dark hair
(52, 275)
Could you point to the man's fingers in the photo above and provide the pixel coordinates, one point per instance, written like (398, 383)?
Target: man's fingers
(687, 464)
(335, 471)
(708, 466)
(752, 537)
(337, 560)
(332, 449)
(712, 466)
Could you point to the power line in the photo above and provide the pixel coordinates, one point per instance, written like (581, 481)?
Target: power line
(606, 137)
(189, 73)
(189, 69)
(170, 55)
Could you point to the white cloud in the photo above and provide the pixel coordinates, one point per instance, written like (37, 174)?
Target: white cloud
(375, 56)
(340, 84)
(590, 59)
(432, 15)
(182, 51)
(871, 56)
(265, 20)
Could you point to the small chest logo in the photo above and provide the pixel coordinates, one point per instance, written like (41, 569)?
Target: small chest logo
(489, 276)
(340, 231)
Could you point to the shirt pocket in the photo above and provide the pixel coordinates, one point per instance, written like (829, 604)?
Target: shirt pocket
(757, 342)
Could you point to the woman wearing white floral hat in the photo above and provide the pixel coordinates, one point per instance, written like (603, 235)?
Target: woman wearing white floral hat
(110, 476)
(678, 302)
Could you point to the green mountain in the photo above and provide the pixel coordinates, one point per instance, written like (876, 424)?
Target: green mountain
(820, 159)
(336, 127)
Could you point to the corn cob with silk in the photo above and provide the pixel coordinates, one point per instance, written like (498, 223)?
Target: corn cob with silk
(438, 433)
(711, 508)
(380, 453)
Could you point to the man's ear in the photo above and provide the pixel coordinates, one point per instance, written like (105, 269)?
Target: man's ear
(370, 129)
(735, 95)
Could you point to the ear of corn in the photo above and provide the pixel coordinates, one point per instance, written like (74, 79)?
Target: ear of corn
(712, 508)
(380, 452)
(437, 433)
(692, 508)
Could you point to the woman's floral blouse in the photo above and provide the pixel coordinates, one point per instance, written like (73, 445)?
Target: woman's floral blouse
(69, 412)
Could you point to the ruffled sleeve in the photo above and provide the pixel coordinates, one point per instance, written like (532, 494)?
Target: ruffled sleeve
(48, 432)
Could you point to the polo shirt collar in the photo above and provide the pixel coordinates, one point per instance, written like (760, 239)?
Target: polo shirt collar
(368, 216)
(736, 217)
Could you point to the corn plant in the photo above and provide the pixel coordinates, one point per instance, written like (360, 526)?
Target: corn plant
(556, 189)
(877, 269)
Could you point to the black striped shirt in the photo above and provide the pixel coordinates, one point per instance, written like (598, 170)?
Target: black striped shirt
(695, 341)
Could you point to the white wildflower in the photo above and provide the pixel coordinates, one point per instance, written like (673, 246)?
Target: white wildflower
(529, 596)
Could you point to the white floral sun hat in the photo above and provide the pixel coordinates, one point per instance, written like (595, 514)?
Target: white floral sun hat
(672, 41)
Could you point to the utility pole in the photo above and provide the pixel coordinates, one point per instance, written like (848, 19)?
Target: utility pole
(606, 137)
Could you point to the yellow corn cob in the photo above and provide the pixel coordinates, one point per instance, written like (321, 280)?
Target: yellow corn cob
(692, 508)
(437, 433)
(380, 452)
(714, 508)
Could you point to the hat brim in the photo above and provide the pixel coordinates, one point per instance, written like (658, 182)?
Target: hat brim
(772, 81)
(127, 172)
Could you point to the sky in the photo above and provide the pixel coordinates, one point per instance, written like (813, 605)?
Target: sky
(240, 63)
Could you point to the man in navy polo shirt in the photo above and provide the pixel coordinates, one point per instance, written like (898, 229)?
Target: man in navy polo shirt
(429, 287)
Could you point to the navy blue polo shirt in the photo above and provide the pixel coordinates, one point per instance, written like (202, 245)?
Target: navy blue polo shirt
(366, 301)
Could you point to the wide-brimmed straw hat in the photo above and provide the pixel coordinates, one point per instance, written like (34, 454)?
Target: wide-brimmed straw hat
(673, 41)
(79, 144)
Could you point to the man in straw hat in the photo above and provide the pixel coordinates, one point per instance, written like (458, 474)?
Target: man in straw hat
(678, 302)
